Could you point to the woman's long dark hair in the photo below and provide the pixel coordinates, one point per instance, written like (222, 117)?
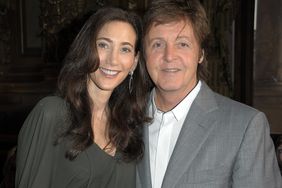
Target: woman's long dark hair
(127, 111)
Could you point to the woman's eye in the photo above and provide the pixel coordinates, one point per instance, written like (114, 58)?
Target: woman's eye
(102, 45)
(126, 50)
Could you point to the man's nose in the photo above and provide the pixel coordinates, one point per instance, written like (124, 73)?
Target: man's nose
(169, 53)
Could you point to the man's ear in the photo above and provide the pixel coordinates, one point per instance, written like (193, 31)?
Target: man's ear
(202, 56)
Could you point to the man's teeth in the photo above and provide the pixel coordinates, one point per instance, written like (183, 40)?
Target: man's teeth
(170, 70)
(109, 72)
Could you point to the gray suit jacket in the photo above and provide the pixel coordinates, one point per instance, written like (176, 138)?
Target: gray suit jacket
(222, 144)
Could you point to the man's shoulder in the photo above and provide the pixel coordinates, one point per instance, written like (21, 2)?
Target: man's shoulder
(237, 116)
(227, 101)
(230, 106)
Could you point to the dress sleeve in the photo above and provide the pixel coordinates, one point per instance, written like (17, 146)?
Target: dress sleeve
(35, 150)
(256, 164)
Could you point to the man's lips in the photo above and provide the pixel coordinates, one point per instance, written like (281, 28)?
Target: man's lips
(171, 70)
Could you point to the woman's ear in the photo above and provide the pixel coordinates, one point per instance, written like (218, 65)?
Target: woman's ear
(135, 63)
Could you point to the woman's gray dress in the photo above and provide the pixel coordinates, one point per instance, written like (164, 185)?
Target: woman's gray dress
(41, 164)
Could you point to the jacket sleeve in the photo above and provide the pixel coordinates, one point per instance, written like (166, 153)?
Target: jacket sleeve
(256, 164)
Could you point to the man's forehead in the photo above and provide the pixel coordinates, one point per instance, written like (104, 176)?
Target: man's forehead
(176, 27)
(183, 21)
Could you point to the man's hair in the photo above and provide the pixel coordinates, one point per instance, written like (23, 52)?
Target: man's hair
(167, 11)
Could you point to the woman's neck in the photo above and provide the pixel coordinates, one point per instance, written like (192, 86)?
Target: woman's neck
(100, 114)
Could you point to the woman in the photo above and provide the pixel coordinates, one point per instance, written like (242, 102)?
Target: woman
(89, 135)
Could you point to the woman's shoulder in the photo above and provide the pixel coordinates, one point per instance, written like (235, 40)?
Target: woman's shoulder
(51, 101)
(50, 107)
(48, 115)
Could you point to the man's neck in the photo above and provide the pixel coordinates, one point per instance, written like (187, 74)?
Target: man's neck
(167, 100)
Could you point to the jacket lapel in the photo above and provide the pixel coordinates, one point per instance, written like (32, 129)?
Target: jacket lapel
(196, 128)
(143, 168)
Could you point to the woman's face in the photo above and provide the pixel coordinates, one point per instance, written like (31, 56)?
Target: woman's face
(115, 45)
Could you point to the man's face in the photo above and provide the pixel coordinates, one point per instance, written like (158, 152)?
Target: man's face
(172, 55)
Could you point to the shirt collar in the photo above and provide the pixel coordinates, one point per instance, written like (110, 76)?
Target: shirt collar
(182, 108)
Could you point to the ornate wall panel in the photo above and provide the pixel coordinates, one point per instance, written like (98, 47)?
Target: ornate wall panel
(221, 14)
(6, 12)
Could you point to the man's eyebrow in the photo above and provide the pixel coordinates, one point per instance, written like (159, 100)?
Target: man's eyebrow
(155, 38)
(183, 37)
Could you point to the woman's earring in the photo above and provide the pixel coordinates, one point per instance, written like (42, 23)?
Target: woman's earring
(130, 83)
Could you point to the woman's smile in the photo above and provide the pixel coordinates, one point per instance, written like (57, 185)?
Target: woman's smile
(108, 71)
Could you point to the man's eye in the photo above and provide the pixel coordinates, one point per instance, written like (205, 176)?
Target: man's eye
(183, 44)
(157, 45)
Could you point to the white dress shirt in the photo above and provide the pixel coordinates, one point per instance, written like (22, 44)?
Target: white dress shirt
(163, 134)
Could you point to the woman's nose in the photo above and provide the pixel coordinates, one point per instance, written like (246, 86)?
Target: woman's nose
(113, 57)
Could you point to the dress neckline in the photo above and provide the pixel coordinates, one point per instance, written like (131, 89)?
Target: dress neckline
(117, 156)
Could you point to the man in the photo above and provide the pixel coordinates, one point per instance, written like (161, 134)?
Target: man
(197, 139)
